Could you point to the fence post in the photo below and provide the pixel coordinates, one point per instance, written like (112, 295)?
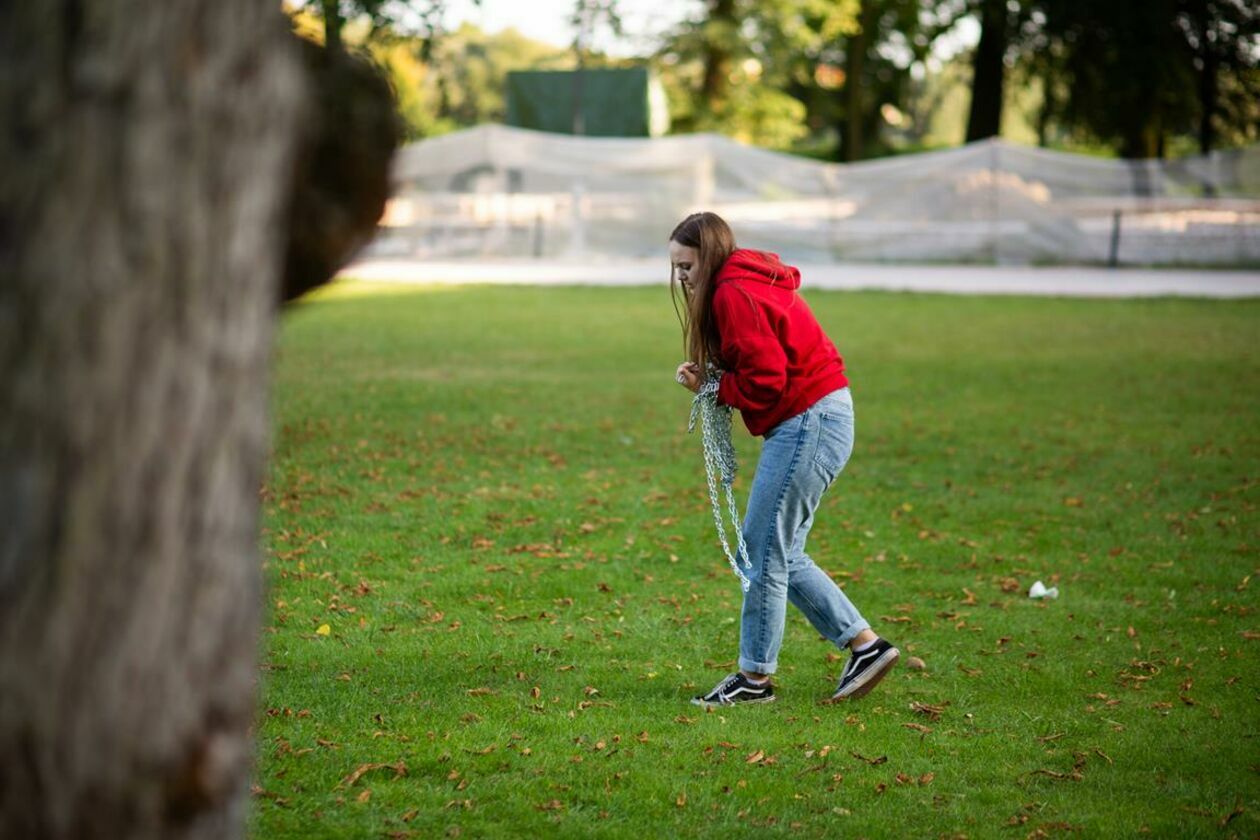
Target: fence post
(1113, 259)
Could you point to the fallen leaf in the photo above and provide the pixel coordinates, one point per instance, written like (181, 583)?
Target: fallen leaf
(932, 712)
(1238, 810)
(399, 768)
(871, 761)
(914, 663)
(323, 630)
(918, 727)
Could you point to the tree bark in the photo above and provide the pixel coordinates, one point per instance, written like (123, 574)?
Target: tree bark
(852, 130)
(717, 55)
(146, 152)
(985, 117)
(332, 24)
(1209, 84)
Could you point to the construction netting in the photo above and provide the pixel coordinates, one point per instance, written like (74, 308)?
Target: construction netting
(495, 191)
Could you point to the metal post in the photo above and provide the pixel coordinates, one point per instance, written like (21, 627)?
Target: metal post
(1113, 259)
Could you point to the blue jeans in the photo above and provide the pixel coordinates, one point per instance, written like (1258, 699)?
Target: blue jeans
(800, 458)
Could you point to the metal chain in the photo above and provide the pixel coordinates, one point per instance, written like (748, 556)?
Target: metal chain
(720, 466)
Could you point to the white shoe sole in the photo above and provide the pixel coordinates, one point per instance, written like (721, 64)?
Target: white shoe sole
(870, 677)
(699, 701)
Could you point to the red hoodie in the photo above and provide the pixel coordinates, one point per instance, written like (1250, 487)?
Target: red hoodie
(778, 360)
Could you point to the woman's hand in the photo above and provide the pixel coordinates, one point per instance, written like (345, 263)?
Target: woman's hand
(688, 376)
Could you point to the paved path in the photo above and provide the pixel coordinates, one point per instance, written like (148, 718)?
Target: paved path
(950, 279)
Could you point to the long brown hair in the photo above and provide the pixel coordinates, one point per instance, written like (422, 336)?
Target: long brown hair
(713, 240)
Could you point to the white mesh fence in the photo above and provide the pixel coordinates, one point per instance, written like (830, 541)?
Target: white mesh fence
(495, 191)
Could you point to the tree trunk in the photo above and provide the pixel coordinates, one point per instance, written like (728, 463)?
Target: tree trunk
(985, 118)
(717, 55)
(1209, 84)
(332, 23)
(145, 162)
(852, 130)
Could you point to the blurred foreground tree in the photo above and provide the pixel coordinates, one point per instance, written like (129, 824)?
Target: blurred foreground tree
(148, 157)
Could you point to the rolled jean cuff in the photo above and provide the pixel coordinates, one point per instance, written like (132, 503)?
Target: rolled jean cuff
(853, 630)
(757, 667)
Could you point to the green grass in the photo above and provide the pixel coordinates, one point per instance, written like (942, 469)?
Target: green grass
(488, 496)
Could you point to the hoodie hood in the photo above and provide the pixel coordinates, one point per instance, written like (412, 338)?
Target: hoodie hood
(759, 267)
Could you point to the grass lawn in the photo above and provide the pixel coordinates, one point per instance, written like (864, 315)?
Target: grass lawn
(494, 584)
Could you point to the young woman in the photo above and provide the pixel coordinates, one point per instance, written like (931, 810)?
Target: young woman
(743, 317)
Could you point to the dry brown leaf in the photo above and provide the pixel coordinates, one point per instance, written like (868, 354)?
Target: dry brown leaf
(399, 768)
(1238, 810)
(871, 761)
(933, 712)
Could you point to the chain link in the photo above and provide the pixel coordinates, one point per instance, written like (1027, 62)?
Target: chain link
(720, 466)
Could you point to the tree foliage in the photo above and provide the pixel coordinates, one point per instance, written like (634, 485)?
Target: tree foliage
(861, 78)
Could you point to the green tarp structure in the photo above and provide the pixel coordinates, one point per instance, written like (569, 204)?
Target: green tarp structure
(614, 102)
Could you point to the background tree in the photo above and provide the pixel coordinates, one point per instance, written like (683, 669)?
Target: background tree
(999, 20)
(147, 163)
(1126, 69)
(878, 54)
(747, 68)
(1223, 38)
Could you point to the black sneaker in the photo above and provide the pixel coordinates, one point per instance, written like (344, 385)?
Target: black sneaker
(736, 689)
(865, 669)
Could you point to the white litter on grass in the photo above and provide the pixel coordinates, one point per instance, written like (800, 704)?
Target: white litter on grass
(1038, 590)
